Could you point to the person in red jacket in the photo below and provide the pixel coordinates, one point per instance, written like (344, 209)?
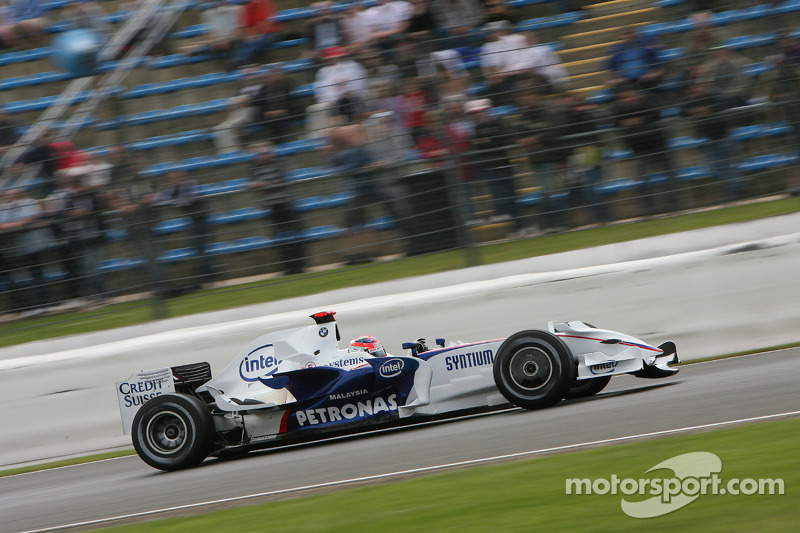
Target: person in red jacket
(259, 30)
(416, 100)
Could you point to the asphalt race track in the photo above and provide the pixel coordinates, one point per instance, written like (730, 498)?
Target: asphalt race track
(708, 305)
(701, 394)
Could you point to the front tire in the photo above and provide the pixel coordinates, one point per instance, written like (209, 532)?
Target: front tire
(173, 431)
(587, 387)
(534, 369)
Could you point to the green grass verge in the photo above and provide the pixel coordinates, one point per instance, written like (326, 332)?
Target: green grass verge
(739, 354)
(66, 462)
(530, 495)
(120, 315)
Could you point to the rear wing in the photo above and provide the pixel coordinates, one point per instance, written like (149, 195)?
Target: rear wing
(140, 387)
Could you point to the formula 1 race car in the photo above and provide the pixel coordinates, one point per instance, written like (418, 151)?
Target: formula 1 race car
(298, 382)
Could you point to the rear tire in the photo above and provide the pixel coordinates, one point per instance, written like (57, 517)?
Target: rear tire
(534, 369)
(587, 387)
(173, 431)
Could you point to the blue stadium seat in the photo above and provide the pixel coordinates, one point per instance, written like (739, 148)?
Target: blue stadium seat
(755, 164)
(678, 143)
(159, 169)
(165, 227)
(122, 263)
(618, 185)
(790, 6)
(775, 130)
(197, 163)
(290, 43)
(219, 248)
(116, 234)
(225, 187)
(297, 147)
(601, 96)
(53, 274)
(749, 41)
(284, 237)
(756, 12)
(117, 17)
(531, 199)
(37, 104)
(303, 91)
(212, 106)
(52, 5)
(503, 110)
(693, 173)
(175, 60)
(25, 55)
(298, 65)
(146, 89)
(321, 232)
(312, 203)
(58, 27)
(671, 84)
(294, 14)
(477, 89)
(381, 224)
(670, 112)
(522, 3)
(177, 255)
(757, 69)
(617, 154)
(670, 54)
(238, 215)
(232, 158)
(189, 32)
(555, 21)
(658, 178)
(309, 173)
(248, 244)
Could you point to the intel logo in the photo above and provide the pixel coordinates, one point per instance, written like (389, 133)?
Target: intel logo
(392, 368)
(259, 363)
(603, 368)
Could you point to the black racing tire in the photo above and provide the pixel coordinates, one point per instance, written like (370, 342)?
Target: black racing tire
(587, 387)
(173, 431)
(534, 369)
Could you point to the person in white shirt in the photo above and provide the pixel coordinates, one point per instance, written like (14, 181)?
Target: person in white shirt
(539, 59)
(224, 22)
(356, 25)
(341, 78)
(390, 18)
(242, 110)
(502, 50)
(502, 47)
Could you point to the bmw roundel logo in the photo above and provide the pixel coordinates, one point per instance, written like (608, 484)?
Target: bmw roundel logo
(323, 332)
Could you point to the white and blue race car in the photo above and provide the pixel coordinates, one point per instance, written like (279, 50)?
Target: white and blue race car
(299, 383)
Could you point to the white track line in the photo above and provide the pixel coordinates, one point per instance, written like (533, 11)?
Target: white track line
(407, 472)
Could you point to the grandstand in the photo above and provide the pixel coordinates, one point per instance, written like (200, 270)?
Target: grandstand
(165, 110)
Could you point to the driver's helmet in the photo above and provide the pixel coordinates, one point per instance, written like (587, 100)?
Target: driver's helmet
(369, 344)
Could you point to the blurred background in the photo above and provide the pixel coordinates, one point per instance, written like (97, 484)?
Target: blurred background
(163, 157)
